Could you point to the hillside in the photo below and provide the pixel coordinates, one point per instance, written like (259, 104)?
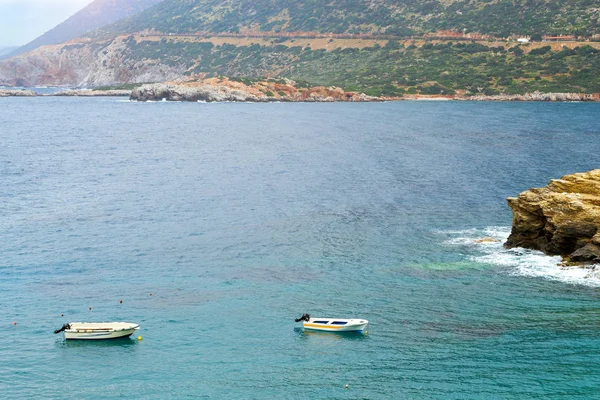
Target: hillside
(96, 15)
(384, 67)
(499, 18)
(391, 68)
(356, 45)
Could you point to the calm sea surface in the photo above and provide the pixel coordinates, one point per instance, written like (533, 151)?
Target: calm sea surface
(218, 224)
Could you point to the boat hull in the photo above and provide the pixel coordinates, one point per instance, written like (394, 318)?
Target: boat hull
(336, 325)
(100, 331)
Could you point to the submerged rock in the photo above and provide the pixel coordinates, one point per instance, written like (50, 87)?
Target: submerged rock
(486, 239)
(562, 218)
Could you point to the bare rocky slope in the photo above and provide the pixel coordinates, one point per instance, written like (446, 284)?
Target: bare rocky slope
(562, 218)
(83, 63)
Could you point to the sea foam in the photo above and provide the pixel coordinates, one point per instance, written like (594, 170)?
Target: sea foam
(487, 246)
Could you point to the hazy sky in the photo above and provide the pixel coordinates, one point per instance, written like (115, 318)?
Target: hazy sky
(21, 21)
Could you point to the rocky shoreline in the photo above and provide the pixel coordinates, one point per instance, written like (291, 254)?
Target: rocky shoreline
(223, 89)
(537, 96)
(17, 93)
(562, 218)
(74, 93)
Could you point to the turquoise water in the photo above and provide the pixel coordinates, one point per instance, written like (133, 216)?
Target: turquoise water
(218, 224)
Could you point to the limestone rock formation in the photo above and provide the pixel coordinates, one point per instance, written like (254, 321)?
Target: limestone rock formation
(562, 218)
(224, 89)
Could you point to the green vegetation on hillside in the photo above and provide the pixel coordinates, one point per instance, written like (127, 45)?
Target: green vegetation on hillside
(393, 69)
(403, 18)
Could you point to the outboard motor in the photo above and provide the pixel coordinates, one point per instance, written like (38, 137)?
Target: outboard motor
(304, 317)
(65, 326)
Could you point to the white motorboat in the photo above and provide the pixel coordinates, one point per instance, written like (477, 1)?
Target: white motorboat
(334, 324)
(97, 330)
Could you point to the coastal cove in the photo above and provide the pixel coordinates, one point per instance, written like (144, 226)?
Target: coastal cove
(218, 224)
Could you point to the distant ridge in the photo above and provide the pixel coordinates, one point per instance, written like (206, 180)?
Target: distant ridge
(6, 50)
(97, 14)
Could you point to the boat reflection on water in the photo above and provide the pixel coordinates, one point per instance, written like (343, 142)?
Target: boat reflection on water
(307, 334)
(125, 342)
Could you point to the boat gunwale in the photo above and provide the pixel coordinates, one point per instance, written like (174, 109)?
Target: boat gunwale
(350, 325)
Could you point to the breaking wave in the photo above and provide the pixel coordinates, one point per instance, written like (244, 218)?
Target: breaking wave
(486, 246)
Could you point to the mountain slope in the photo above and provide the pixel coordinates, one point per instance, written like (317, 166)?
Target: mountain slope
(499, 18)
(96, 15)
(316, 42)
(383, 67)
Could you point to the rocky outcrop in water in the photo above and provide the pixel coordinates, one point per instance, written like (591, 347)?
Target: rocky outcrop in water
(208, 93)
(17, 93)
(223, 89)
(562, 218)
(93, 93)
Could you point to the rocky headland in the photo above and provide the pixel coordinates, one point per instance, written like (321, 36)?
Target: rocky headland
(224, 89)
(562, 218)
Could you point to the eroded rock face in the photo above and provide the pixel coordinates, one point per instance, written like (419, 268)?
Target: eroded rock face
(562, 218)
(81, 63)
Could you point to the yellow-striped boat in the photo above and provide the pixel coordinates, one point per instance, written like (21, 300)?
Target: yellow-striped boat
(334, 324)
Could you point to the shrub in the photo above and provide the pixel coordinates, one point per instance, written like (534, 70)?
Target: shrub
(540, 51)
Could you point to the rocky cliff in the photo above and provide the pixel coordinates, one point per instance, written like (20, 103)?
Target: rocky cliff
(83, 63)
(562, 218)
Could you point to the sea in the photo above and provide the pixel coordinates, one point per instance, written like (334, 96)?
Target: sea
(215, 225)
